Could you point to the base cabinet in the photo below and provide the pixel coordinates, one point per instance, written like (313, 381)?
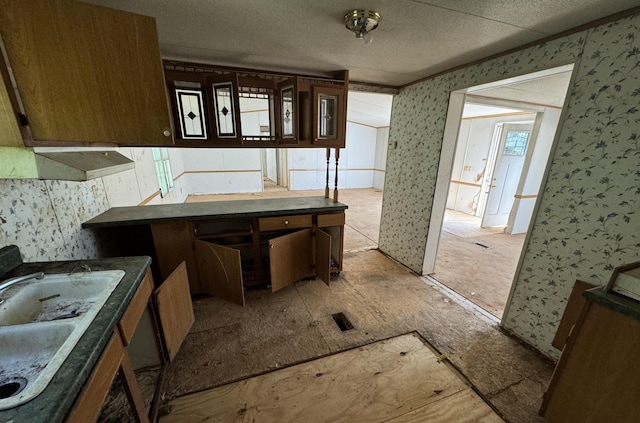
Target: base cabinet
(171, 309)
(284, 259)
(596, 378)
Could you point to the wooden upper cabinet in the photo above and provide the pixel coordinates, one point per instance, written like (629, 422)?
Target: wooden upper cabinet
(329, 116)
(10, 135)
(214, 106)
(288, 112)
(86, 73)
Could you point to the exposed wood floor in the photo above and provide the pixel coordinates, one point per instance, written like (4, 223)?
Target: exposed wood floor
(382, 299)
(478, 263)
(396, 380)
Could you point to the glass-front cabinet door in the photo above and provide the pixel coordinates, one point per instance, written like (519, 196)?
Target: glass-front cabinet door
(190, 105)
(288, 111)
(225, 113)
(328, 116)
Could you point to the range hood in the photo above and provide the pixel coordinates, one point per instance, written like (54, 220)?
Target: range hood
(74, 165)
(80, 165)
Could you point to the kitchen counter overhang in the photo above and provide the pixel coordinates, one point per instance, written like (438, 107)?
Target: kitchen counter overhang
(141, 215)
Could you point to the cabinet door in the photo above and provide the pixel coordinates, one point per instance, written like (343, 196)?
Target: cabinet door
(225, 114)
(10, 135)
(175, 310)
(86, 73)
(290, 259)
(288, 111)
(190, 116)
(329, 116)
(323, 255)
(220, 270)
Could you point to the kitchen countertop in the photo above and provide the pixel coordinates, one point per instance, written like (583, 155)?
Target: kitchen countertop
(136, 215)
(53, 404)
(614, 301)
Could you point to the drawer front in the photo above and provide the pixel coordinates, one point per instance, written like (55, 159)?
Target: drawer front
(333, 219)
(285, 222)
(137, 306)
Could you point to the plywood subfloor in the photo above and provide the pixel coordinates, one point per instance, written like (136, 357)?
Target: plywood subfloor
(395, 380)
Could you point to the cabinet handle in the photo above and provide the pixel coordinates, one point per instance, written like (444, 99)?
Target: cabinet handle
(286, 222)
(166, 133)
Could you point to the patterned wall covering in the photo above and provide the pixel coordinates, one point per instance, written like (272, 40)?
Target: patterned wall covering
(43, 218)
(587, 221)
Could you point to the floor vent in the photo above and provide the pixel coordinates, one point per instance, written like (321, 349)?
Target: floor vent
(341, 320)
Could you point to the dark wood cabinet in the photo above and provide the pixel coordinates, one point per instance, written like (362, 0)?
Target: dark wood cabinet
(207, 102)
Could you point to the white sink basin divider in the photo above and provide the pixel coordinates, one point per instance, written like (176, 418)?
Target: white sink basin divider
(40, 323)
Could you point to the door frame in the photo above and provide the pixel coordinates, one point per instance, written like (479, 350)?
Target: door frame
(457, 100)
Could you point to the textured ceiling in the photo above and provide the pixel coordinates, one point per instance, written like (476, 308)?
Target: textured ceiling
(415, 39)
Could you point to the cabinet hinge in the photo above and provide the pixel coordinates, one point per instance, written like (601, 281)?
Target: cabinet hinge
(24, 120)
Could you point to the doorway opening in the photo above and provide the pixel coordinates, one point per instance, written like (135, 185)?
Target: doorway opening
(498, 139)
(274, 169)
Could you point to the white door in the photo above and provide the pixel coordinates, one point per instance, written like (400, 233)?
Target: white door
(502, 184)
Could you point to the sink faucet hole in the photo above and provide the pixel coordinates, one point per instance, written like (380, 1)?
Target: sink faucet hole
(11, 387)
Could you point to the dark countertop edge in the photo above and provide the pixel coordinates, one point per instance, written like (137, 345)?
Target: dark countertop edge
(54, 403)
(614, 301)
(98, 222)
(10, 258)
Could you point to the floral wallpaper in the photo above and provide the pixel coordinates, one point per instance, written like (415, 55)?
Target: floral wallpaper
(417, 126)
(586, 222)
(43, 218)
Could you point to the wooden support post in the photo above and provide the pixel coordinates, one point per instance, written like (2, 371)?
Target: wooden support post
(335, 190)
(326, 187)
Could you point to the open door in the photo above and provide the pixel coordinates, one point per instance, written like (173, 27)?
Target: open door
(220, 271)
(502, 184)
(175, 310)
(290, 259)
(323, 255)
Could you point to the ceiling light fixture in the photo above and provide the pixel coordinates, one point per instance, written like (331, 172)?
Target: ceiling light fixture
(361, 23)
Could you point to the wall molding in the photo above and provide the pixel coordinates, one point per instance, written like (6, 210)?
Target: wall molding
(469, 184)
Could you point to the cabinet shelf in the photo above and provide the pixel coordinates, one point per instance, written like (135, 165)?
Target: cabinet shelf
(223, 235)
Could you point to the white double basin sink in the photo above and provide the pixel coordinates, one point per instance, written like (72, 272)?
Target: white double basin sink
(40, 323)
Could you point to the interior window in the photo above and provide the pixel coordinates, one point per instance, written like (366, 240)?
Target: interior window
(163, 170)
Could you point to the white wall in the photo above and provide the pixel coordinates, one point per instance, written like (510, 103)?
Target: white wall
(140, 185)
(472, 150)
(382, 142)
(222, 170)
(523, 206)
(307, 167)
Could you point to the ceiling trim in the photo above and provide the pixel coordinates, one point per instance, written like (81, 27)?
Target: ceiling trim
(372, 87)
(497, 115)
(531, 103)
(579, 28)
